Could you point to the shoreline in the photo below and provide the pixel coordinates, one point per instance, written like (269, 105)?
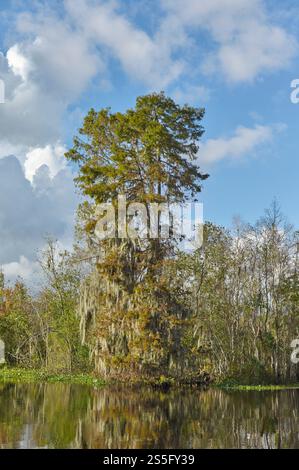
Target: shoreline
(26, 376)
(258, 388)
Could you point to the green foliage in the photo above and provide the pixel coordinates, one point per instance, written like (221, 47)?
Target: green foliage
(227, 311)
(133, 319)
(244, 296)
(17, 322)
(140, 152)
(43, 331)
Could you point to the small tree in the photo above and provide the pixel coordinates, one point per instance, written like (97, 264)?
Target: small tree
(18, 327)
(57, 310)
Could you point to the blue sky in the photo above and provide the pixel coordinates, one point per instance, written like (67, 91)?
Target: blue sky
(58, 58)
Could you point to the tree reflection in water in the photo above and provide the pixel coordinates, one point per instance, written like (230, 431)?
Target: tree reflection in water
(72, 416)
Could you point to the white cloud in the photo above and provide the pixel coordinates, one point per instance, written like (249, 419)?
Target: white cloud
(64, 61)
(143, 57)
(24, 269)
(245, 42)
(44, 72)
(51, 156)
(30, 212)
(29, 116)
(54, 61)
(57, 56)
(6, 149)
(19, 64)
(244, 141)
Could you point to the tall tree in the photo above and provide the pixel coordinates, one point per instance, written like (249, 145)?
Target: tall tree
(148, 154)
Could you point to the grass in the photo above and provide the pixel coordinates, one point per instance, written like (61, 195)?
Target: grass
(261, 388)
(17, 375)
(234, 385)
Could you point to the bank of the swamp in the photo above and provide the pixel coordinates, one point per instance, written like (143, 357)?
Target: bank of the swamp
(235, 385)
(22, 375)
(18, 375)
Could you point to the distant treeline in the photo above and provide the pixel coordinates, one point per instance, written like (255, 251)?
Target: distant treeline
(239, 312)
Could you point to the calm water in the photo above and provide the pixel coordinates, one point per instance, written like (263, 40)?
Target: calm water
(68, 416)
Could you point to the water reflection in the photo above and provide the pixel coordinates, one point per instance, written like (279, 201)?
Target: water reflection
(66, 416)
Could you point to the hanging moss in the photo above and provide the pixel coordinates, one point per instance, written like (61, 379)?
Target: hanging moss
(130, 319)
(131, 323)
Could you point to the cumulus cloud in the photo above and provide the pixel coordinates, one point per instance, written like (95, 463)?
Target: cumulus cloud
(51, 156)
(29, 116)
(244, 141)
(64, 61)
(24, 269)
(44, 73)
(57, 56)
(7, 148)
(18, 63)
(30, 212)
